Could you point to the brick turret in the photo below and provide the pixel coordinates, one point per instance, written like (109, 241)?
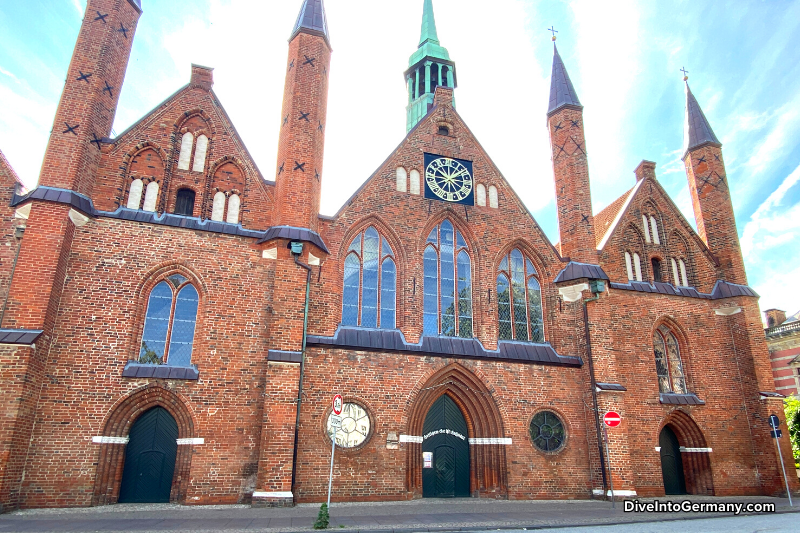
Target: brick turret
(305, 106)
(711, 199)
(570, 167)
(91, 93)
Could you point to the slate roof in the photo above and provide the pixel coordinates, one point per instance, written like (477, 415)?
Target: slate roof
(575, 270)
(19, 336)
(611, 387)
(697, 130)
(722, 289)
(393, 340)
(84, 204)
(562, 93)
(312, 19)
(137, 4)
(669, 398)
(279, 356)
(137, 370)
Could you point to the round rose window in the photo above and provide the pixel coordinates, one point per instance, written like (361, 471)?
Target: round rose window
(355, 426)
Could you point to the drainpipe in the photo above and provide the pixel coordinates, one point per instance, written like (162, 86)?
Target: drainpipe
(594, 388)
(297, 249)
(18, 233)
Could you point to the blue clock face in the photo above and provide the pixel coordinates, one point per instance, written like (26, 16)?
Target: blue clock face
(448, 179)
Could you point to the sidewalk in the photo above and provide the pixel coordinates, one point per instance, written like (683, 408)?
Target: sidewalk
(417, 515)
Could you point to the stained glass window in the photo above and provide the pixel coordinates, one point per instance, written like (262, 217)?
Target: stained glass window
(547, 431)
(369, 298)
(519, 299)
(447, 291)
(669, 368)
(170, 321)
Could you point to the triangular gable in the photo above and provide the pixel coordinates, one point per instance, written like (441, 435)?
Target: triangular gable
(426, 121)
(606, 220)
(7, 171)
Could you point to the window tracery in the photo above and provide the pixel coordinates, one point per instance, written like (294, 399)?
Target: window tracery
(669, 368)
(447, 287)
(369, 297)
(170, 321)
(519, 299)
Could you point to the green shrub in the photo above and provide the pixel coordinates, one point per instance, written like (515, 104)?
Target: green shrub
(792, 409)
(322, 518)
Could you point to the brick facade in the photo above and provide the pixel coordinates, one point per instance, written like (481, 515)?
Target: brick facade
(88, 265)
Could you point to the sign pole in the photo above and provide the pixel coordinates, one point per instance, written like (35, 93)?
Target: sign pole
(608, 462)
(330, 478)
(775, 422)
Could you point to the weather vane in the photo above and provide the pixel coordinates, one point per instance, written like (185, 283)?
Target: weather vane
(685, 72)
(553, 31)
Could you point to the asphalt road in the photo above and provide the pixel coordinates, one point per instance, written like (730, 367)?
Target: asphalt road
(780, 523)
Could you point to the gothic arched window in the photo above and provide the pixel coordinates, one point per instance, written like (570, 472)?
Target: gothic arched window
(169, 323)
(668, 361)
(447, 291)
(370, 283)
(519, 299)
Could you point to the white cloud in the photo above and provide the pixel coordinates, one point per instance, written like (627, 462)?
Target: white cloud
(11, 75)
(80, 6)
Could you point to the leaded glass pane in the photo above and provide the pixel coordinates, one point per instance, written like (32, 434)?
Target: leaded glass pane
(355, 246)
(176, 280)
(535, 310)
(156, 325)
(518, 296)
(432, 237)
(504, 264)
(675, 366)
(504, 307)
(547, 431)
(430, 313)
(183, 323)
(388, 293)
(385, 248)
(464, 296)
(529, 266)
(350, 294)
(369, 295)
(661, 363)
(448, 281)
(460, 240)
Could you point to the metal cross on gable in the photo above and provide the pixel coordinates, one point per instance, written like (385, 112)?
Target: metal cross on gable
(560, 149)
(280, 169)
(575, 123)
(321, 128)
(578, 146)
(97, 141)
(109, 89)
(123, 30)
(285, 120)
(685, 72)
(701, 160)
(300, 166)
(71, 129)
(101, 17)
(316, 174)
(552, 30)
(309, 60)
(559, 126)
(585, 218)
(304, 116)
(83, 77)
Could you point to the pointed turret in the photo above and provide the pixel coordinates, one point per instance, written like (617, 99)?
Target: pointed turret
(429, 67)
(562, 93)
(708, 185)
(312, 19)
(570, 167)
(697, 130)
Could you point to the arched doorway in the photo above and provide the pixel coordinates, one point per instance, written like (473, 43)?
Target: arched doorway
(671, 463)
(445, 451)
(150, 458)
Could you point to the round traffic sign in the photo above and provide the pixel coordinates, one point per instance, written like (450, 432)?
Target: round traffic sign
(612, 419)
(337, 404)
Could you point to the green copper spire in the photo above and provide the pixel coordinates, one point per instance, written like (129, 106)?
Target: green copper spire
(429, 67)
(428, 24)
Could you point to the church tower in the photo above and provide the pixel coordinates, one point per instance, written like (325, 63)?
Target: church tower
(429, 67)
(301, 144)
(570, 167)
(711, 198)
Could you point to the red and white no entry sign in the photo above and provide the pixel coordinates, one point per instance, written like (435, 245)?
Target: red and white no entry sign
(337, 404)
(612, 419)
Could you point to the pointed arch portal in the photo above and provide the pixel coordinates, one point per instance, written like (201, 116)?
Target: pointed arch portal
(685, 462)
(482, 419)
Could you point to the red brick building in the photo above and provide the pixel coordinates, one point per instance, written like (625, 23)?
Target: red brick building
(783, 343)
(175, 322)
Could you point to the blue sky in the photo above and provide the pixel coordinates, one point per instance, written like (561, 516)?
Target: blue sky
(623, 57)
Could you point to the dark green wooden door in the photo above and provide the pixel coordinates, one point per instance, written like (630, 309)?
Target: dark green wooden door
(444, 435)
(150, 458)
(671, 463)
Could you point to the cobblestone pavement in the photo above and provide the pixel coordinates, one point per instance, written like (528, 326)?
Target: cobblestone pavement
(418, 515)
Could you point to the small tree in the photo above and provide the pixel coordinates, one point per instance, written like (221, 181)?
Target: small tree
(148, 356)
(322, 518)
(792, 409)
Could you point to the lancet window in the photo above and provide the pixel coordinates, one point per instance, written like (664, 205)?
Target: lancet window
(519, 299)
(369, 298)
(170, 323)
(447, 291)
(668, 361)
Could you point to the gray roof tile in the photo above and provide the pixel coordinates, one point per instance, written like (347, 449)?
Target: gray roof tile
(697, 130)
(19, 336)
(137, 370)
(562, 93)
(575, 270)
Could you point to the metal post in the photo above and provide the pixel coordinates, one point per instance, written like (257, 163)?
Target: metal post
(780, 456)
(330, 478)
(608, 461)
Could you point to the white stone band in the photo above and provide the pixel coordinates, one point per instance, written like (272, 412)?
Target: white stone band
(273, 495)
(492, 440)
(410, 438)
(706, 450)
(110, 440)
(196, 440)
(599, 492)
